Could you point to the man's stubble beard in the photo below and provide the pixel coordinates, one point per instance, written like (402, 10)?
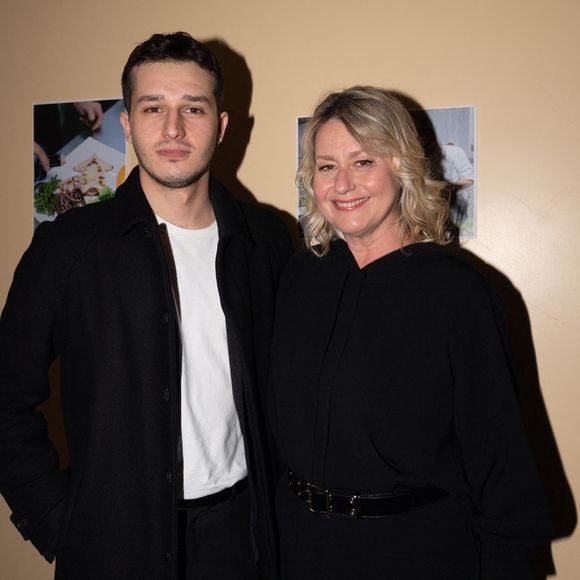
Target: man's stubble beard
(177, 182)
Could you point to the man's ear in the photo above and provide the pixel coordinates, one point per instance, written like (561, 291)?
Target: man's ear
(223, 123)
(124, 120)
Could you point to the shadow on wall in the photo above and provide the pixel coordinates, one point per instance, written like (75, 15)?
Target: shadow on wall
(524, 367)
(237, 99)
(238, 86)
(434, 155)
(52, 411)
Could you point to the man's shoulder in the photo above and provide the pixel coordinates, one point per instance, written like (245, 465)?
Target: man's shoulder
(70, 234)
(260, 214)
(78, 223)
(265, 223)
(231, 209)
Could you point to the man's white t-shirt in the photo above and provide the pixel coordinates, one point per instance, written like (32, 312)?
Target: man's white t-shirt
(213, 448)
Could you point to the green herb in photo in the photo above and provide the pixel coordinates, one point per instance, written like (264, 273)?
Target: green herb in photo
(44, 198)
(106, 193)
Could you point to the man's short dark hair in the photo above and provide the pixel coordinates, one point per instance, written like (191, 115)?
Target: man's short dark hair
(174, 47)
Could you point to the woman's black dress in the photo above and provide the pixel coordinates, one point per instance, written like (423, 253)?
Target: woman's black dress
(396, 376)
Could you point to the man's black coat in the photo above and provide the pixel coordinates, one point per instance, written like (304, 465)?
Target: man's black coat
(94, 289)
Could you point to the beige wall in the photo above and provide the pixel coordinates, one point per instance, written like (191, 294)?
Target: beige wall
(517, 61)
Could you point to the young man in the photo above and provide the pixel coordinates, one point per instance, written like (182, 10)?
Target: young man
(159, 304)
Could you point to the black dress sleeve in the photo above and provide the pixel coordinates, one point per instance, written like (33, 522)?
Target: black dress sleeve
(509, 508)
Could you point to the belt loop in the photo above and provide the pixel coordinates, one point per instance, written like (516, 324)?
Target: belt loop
(309, 497)
(354, 511)
(328, 498)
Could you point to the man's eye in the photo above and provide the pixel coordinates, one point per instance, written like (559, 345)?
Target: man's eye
(152, 110)
(195, 110)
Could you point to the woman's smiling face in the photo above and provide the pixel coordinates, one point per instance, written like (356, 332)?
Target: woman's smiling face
(357, 192)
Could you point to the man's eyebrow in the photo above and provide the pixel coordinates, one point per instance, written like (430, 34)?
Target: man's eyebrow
(150, 98)
(160, 97)
(197, 99)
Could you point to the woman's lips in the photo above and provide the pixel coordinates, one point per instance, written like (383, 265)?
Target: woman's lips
(350, 204)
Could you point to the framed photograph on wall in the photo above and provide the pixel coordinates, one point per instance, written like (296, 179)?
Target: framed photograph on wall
(449, 139)
(79, 155)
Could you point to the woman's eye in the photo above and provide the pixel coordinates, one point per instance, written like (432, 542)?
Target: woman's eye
(324, 168)
(364, 162)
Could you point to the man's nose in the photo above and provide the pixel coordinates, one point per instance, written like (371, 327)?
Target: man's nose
(174, 126)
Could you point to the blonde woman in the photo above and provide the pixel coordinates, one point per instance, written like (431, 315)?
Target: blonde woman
(393, 405)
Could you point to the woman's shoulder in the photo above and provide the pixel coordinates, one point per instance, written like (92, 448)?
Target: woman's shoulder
(443, 277)
(443, 265)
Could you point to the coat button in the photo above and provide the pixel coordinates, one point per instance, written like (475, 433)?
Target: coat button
(21, 524)
(168, 557)
(169, 476)
(166, 317)
(166, 394)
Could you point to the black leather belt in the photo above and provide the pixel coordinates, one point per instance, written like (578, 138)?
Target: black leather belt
(367, 505)
(214, 498)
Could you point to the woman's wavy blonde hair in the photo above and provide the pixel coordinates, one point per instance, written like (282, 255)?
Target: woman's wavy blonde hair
(379, 122)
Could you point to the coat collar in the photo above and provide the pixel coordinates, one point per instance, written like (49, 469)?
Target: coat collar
(133, 208)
